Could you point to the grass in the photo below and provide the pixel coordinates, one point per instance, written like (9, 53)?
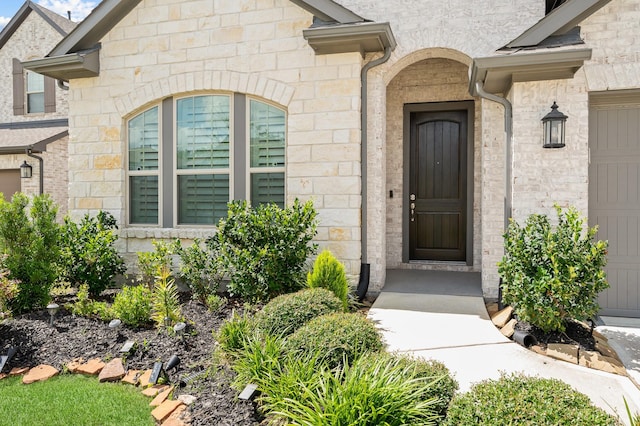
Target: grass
(72, 400)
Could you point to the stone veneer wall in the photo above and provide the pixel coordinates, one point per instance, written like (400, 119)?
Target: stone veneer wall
(255, 47)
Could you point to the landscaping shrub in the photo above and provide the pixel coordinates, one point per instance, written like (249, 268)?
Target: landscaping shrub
(165, 304)
(258, 360)
(552, 275)
(133, 305)
(234, 333)
(29, 237)
(382, 390)
(150, 263)
(201, 268)
(8, 290)
(86, 307)
(215, 302)
(339, 338)
(286, 313)
(88, 255)
(329, 273)
(521, 400)
(264, 249)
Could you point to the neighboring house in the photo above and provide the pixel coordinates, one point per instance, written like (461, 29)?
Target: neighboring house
(177, 107)
(33, 112)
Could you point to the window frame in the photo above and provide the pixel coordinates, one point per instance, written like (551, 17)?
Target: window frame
(239, 169)
(27, 93)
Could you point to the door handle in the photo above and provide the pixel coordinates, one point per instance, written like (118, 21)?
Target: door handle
(413, 210)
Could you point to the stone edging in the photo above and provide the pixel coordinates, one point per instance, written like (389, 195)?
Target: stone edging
(167, 412)
(604, 358)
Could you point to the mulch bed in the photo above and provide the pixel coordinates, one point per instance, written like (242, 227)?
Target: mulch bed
(76, 337)
(576, 333)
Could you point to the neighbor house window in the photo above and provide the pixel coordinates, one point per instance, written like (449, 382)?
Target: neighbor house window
(189, 156)
(33, 93)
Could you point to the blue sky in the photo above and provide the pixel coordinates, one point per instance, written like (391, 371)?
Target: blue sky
(79, 8)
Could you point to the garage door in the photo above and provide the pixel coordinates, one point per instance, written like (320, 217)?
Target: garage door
(614, 196)
(9, 182)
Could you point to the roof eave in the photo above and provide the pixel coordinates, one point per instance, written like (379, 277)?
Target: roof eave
(40, 146)
(363, 38)
(498, 73)
(66, 67)
(558, 22)
(328, 11)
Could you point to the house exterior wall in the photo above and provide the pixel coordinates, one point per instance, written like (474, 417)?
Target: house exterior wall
(255, 47)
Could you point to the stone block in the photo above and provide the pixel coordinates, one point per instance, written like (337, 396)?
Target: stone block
(131, 377)
(606, 350)
(179, 417)
(598, 361)
(39, 373)
(187, 399)
(143, 380)
(91, 367)
(16, 371)
(538, 349)
(154, 390)
(165, 409)
(112, 371)
(492, 308)
(563, 352)
(161, 397)
(501, 317)
(73, 365)
(509, 328)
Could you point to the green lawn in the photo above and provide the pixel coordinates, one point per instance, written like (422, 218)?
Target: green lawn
(72, 400)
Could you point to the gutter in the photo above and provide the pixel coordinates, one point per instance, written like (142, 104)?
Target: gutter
(508, 129)
(365, 268)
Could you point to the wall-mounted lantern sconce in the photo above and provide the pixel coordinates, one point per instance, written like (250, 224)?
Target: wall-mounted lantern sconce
(26, 171)
(553, 127)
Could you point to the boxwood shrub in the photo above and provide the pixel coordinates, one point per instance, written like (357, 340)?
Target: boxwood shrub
(288, 312)
(337, 338)
(521, 400)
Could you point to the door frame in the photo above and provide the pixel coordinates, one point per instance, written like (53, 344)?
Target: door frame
(467, 106)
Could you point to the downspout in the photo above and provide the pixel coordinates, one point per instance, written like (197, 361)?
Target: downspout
(62, 85)
(365, 268)
(508, 128)
(41, 161)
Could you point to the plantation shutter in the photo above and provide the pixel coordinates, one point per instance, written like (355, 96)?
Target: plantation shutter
(267, 152)
(144, 186)
(18, 88)
(203, 140)
(49, 94)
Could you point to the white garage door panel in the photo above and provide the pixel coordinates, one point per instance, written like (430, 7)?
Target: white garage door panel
(614, 200)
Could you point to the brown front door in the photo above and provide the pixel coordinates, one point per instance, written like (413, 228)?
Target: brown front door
(438, 185)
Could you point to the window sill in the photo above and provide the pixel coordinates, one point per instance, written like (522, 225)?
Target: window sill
(166, 233)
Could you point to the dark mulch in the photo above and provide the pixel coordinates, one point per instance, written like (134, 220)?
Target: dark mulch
(73, 337)
(576, 333)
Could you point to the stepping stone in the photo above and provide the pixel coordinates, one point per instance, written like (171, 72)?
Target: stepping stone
(39, 373)
(154, 390)
(161, 397)
(112, 372)
(143, 380)
(176, 418)
(165, 409)
(16, 371)
(131, 377)
(73, 365)
(91, 367)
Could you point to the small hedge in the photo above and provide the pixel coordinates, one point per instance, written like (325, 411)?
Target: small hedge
(521, 400)
(337, 338)
(285, 314)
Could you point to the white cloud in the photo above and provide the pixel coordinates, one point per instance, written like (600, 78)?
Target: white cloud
(3, 21)
(79, 8)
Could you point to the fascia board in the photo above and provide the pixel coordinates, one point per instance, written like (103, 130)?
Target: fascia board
(328, 11)
(364, 37)
(65, 67)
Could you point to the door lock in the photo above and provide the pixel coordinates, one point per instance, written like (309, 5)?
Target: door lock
(413, 210)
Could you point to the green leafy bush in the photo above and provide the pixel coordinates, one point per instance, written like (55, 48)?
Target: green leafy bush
(286, 313)
(265, 249)
(382, 390)
(133, 305)
(339, 338)
(150, 263)
(165, 304)
(552, 275)
(201, 267)
(86, 307)
(8, 290)
(258, 360)
(88, 255)
(234, 333)
(29, 237)
(520, 400)
(329, 273)
(215, 302)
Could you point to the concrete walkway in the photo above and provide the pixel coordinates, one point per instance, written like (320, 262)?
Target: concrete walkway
(456, 330)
